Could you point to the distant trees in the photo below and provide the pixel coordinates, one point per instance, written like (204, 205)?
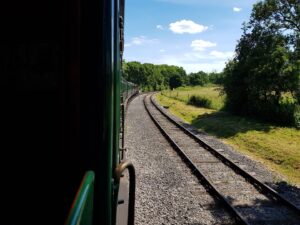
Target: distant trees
(263, 78)
(154, 77)
(158, 77)
(200, 78)
(216, 78)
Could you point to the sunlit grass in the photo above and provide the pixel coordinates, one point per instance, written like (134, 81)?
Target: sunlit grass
(212, 92)
(276, 147)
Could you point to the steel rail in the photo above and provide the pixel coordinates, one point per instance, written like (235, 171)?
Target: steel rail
(203, 179)
(261, 187)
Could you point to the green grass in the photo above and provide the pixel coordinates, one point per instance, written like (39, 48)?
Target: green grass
(211, 92)
(276, 147)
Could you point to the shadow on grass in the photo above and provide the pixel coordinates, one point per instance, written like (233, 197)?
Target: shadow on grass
(225, 125)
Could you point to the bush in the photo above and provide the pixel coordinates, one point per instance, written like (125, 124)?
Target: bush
(200, 101)
(297, 116)
(284, 113)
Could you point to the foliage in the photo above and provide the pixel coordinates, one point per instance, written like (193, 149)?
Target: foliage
(152, 77)
(266, 65)
(278, 14)
(200, 101)
(297, 116)
(216, 78)
(200, 78)
(175, 81)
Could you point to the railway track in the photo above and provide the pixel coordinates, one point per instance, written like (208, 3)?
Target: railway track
(247, 199)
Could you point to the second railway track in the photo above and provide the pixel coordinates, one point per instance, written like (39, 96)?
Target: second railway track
(246, 198)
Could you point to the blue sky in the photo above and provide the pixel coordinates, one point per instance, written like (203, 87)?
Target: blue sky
(195, 34)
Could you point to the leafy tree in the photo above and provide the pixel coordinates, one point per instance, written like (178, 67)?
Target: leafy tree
(282, 15)
(265, 66)
(216, 78)
(200, 78)
(278, 14)
(133, 72)
(175, 81)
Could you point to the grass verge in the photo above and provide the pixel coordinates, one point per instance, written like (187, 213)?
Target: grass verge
(211, 92)
(276, 147)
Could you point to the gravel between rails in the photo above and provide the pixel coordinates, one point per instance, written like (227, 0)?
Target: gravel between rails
(257, 169)
(167, 192)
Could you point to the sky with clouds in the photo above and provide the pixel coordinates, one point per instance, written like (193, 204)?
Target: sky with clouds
(195, 34)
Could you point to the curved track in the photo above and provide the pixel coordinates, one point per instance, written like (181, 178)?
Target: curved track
(167, 191)
(245, 197)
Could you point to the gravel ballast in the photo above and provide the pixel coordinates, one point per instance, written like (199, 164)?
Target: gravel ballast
(166, 190)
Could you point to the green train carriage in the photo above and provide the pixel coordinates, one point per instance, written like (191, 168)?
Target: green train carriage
(60, 83)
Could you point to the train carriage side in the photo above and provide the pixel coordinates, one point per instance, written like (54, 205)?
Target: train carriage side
(60, 104)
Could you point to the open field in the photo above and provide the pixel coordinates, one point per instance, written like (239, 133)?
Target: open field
(277, 147)
(211, 92)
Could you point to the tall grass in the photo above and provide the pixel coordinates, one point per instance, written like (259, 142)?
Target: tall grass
(211, 93)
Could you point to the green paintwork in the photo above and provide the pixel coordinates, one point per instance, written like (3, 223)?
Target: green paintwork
(116, 104)
(109, 91)
(82, 209)
(117, 80)
(109, 115)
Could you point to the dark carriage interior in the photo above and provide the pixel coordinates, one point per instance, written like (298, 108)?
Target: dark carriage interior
(52, 87)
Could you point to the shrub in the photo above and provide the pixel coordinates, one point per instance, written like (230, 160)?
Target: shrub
(284, 113)
(297, 116)
(200, 101)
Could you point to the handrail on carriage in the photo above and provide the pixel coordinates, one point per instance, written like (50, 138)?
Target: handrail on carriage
(127, 165)
(82, 207)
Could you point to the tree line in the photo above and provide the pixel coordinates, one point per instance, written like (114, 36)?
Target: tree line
(152, 77)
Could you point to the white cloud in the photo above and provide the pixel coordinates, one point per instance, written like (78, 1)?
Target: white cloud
(200, 45)
(236, 9)
(141, 40)
(162, 50)
(221, 55)
(160, 27)
(187, 26)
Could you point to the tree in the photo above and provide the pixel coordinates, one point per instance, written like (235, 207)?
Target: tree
(283, 15)
(200, 78)
(265, 66)
(278, 14)
(132, 71)
(175, 81)
(216, 78)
